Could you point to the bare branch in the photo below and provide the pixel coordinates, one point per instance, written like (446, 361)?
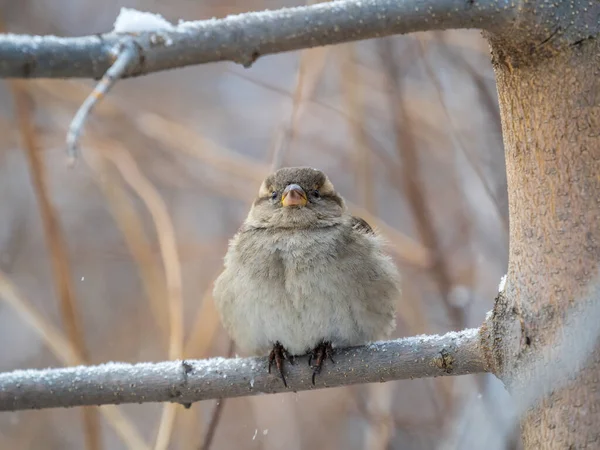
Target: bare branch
(245, 37)
(455, 353)
(126, 54)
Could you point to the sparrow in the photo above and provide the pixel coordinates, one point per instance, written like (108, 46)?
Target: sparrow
(302, 276)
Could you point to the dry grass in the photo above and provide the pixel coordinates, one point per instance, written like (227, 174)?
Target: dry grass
(310, 70)
(58, 250)
(131, 173)
(68, 355)
(354, 94)
(139, 244)
(216, 414)
(413, 183)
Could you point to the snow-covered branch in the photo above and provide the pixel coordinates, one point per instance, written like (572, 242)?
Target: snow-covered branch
(241, 38)
(185, 382)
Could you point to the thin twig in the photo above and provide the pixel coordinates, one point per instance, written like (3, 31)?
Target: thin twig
(54, 339)
(413, 183)
(200, 339)
(175, 135)
(166, 236)
(455, 136)
(126, 52)
(414, 187)
(479, 381)
(281, 91)
(313, 61)
(56, 245)
(459, 317)
(374, 144)
(216, 415)
(214, 423)
(353, 89)
(205, 326)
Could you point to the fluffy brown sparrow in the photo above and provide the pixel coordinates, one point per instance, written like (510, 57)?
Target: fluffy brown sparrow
(303, 276)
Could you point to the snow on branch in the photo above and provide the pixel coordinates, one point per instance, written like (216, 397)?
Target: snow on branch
(185, 382)
(241, 38)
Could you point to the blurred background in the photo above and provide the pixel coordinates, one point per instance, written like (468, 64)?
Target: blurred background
(114, 260)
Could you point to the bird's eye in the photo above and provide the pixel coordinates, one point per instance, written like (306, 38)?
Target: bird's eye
(316, 193)
(273, 195)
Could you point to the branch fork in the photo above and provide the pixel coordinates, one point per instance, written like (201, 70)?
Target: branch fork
(125, 53)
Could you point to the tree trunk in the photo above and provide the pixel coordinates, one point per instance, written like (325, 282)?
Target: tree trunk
(550, 106)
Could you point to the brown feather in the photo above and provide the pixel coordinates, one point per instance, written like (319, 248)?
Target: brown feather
(361, 226)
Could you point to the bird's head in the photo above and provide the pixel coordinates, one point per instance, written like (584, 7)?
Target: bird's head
(296, 197)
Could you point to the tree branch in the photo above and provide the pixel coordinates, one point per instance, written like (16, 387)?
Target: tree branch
(126, 53)
(245, 37)
(455, 353)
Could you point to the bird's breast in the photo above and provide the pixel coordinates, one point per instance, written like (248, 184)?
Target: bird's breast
(303, 251)
(295, 261)
(299, 287)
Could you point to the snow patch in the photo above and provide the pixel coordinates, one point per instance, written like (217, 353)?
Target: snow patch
(132, 21)
(502, 284)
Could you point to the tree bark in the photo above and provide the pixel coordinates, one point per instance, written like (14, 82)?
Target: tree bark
(550, 109)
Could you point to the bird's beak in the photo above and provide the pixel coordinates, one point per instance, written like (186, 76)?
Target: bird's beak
(293, 195)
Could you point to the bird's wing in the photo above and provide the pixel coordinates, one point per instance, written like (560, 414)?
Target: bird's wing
(361, 226)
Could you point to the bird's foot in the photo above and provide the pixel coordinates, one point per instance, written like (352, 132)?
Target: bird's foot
(321, 352)
(278, 355)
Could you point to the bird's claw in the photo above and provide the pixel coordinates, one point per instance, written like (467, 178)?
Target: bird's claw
(321, 352)
(278, 355)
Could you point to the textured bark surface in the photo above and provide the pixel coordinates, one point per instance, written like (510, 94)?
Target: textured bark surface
(551, 124)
